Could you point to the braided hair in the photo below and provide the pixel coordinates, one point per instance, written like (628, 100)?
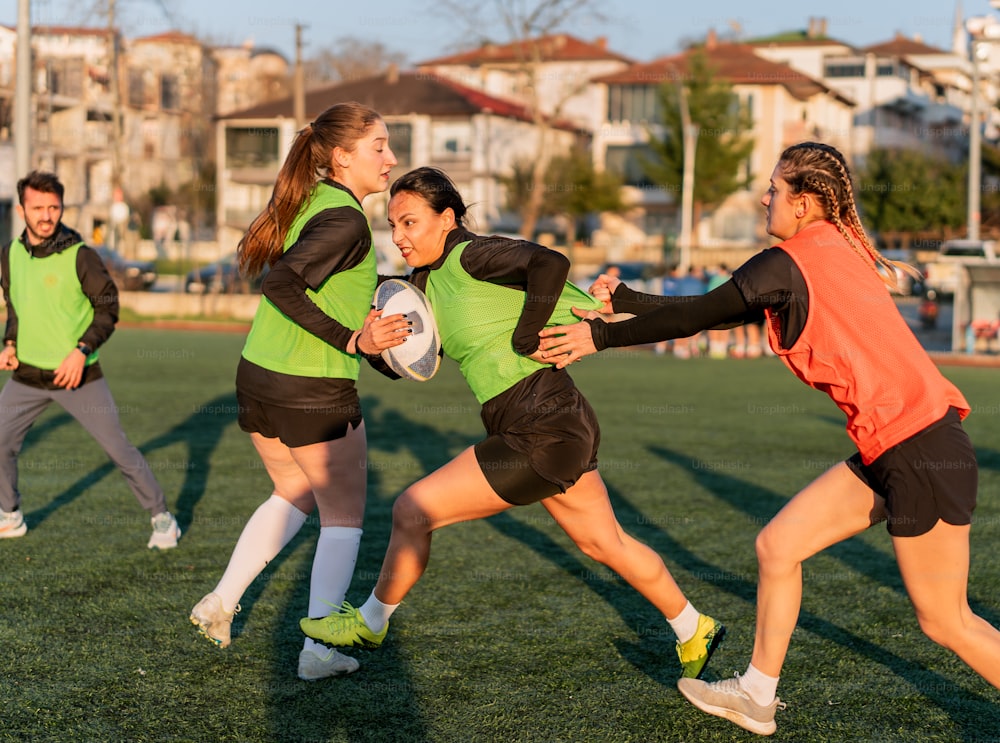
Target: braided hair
(821, 170)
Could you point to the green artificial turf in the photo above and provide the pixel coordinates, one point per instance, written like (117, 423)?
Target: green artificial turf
(512, 634)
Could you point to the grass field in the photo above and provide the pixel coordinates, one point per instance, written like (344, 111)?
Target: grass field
(512, 635)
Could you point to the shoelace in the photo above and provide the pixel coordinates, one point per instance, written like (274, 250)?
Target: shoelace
(732, 686)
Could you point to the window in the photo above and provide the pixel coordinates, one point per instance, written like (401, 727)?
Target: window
(252, 147)
(136, 88)
(627, 161)
(845, 68)
(634, 103)
(66, 77)
(170, 99)
(399, 142)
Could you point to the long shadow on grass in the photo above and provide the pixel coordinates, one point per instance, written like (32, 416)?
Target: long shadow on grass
(201, 432)
(760, 504)
(378, 702)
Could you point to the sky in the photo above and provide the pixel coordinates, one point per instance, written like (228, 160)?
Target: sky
(639, 29)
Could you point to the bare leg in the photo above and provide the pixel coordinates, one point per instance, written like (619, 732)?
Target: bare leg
(456, 492)
(290, 482)
(935, 570)
(585, 514)
(835, 506)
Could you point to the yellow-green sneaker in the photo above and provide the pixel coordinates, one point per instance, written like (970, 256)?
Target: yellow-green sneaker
(344, 628)
(694, 653)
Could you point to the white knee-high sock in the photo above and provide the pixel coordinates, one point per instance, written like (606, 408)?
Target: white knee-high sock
(271, 527)
(333, 567)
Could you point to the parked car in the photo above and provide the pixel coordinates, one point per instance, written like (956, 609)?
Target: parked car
(130, 276)
(222, 277)
(944, 273)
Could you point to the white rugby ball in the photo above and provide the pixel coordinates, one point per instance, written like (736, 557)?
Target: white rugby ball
(419, 357)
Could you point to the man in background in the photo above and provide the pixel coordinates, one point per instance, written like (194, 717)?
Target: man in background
(61, 307)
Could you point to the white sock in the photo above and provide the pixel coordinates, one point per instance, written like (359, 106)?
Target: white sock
(376, 614)
(271, 527)
(333, 567)
(685, 624)
(761, 687)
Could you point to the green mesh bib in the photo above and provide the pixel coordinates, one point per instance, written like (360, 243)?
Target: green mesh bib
(476, 320)
(277, 343)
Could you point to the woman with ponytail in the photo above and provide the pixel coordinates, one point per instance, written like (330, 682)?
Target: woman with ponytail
(295, 383)
(831, 319)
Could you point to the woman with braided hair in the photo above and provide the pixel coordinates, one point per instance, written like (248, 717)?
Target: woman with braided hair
(831, 319)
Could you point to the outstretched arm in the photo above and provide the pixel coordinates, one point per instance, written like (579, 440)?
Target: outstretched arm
(565, 344)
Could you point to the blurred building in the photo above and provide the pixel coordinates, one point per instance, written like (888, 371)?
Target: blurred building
(475, 137)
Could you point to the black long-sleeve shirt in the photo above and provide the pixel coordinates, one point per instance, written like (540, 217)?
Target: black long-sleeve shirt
(334, 240)
(770, 279)
(518, 264)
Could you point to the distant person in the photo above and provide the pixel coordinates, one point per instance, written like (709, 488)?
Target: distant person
(689, 282)
(62, 306)
(832, 320)
(718, 338)
(296, 379)
(490, 296)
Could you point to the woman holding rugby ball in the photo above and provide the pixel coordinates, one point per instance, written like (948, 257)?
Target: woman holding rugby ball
(831, 319)
(491, 296)
(295, 383)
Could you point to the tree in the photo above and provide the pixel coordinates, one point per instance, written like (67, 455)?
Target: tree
(907, 192)
(529, 26)
(572, 188)
(724, 141)
(349, 58)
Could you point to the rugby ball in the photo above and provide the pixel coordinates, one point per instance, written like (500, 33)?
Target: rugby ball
(419, 357)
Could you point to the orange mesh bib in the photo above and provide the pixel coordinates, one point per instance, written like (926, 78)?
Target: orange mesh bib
(857, 348)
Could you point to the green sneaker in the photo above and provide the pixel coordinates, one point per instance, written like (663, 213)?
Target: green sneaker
(694, 653)
(344, 628)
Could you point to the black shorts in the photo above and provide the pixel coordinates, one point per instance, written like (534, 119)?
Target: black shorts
(296, 427)
(542, 436)
(930, 476)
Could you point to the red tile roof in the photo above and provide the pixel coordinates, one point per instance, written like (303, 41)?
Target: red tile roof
(177, 37)
(396, 95)
(901, 46)
(737, 64)
(553, 48)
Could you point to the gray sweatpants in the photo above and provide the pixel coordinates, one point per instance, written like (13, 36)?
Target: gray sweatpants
(93, 406)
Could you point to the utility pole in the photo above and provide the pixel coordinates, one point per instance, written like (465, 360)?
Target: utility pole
(975, 146)
(22, 102)
(114, 224)
(690, 133)
(299, 81)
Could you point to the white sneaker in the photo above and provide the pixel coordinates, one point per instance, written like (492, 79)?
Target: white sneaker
(165, 532)
(12, 524)
(312, 666)
(212, 620)
(727, 699)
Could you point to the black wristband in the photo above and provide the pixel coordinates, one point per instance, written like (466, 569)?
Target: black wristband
(84, 349)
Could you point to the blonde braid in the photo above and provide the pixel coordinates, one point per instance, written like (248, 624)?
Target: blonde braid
(813, 165)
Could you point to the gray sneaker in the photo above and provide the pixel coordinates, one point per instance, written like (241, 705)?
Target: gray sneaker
(313, 666)
(727, 699)
(12, 524)
(213, 621)
(165, 532)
